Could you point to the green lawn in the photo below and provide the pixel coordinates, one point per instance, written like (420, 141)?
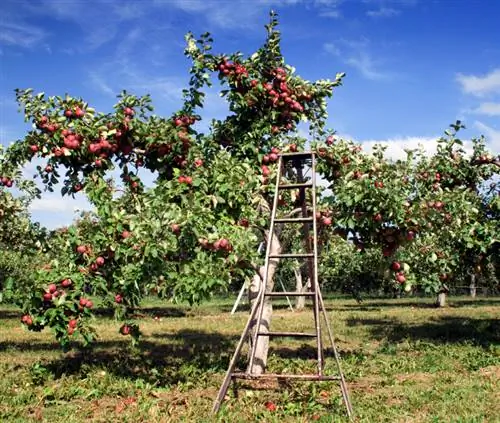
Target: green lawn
(404, 360)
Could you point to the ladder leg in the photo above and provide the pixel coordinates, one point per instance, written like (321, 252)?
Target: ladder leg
(343, 384)
(227, 378)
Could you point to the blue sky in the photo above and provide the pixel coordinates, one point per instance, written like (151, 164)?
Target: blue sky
(413, 66)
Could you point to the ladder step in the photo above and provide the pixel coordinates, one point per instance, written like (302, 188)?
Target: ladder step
(289, 294)
(294, 334)
(241, 375)
(299, 155)
(298, 255)
(294, 220)
(293, 186)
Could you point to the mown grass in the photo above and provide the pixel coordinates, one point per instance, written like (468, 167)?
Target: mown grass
(404, 360)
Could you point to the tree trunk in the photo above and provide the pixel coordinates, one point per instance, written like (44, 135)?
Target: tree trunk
(441, 299)
(472, 286)
(262, 347)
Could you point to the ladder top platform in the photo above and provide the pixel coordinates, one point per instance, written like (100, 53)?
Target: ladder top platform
(299, 155)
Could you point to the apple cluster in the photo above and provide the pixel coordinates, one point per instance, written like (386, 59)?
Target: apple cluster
(222, 244)
(5, 181)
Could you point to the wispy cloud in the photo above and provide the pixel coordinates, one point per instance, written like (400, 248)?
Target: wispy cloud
(356, 53)
(492, 135)
(488, 109)
(19, 33)
(480, 85)
(383, 12)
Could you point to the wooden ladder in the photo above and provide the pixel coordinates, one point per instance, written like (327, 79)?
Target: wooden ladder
(308, 221)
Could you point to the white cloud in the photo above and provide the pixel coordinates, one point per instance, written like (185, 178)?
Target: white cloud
(383, 12)
(480, 85)
(489, 109)
(355, 53)
(396, 146)
(492, 136)
(54, 202)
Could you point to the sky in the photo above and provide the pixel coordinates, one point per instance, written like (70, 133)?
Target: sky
(413, 66)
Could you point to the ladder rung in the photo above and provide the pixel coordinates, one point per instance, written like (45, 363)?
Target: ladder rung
(295, 334)
(298, 155)
(241, 375)
(298, 255)
(294, 220)
(292, 186)
(289, 294)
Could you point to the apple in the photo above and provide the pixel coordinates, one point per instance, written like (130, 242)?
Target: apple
(68, 113)
(73, 323)
(126, 234)
(83, 302)
(188, 180)
(99, 261)
(52, 288)
(265, 159)
(125, 330)
(395, 265)
(79, 113)
(410, 235)
(118, 298)
(400, 277)
(327, 221)
(176, 229)
(265, 170)
(273, 157)
(223, 243)
(271, 406)
(47, 296)
(128, 111)
(34, 148)
(81, 249)
(198, 162)
(66, 283)
(377, 217)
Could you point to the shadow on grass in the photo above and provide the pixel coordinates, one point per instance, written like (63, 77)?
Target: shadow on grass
(441, 330)
(185, 356)
(371, 305)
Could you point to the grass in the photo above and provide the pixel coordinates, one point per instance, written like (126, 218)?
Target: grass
(404, 360)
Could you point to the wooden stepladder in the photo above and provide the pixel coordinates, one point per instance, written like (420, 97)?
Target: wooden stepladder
(290, 163)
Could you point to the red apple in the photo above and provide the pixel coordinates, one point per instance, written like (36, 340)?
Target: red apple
(99, 261)
(400, 277)
(34, 148)
(395, 265)
(81, 249)
(66, 283)
(47, 296)
(327, 221)
(73, 323)
(125, 330)
(118, 298)
(126, 234)
(52, 288)
(271, 406)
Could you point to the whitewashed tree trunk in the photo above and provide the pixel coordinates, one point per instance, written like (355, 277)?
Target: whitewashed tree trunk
(300, 302)
(262, 348)
(472, 286)
(441, 299)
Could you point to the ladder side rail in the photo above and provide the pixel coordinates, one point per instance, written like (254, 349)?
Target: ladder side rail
(314, 282)
(263, 286)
